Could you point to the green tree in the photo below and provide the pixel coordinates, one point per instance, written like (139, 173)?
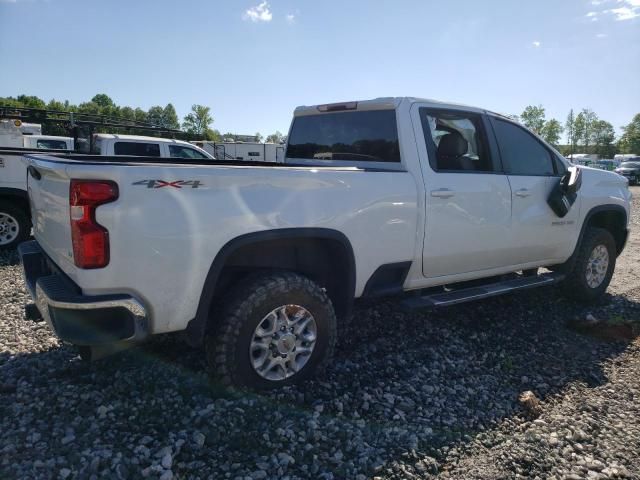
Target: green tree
(533, 118)
(155, 115)
(198, 122)
(630, 140)
(276, 137)
(103, 100)
(584, 127)
(171, 117)
(551, 132)
(258, 136)
(213, 135)
(31, 101)
(602, 136)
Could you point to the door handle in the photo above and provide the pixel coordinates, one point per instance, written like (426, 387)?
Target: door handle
(523, 192)
(442, 193)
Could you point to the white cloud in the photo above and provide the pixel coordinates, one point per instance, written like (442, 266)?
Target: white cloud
(625, 13)
(259, 13)
(625, 9)
(536, 44)
(602, 35)
(291, 18)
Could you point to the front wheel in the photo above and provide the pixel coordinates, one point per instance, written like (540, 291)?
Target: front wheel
(593, 267)
(276, 329)
(15, 226)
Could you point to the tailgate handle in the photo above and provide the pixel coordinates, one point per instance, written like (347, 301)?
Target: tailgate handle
(33, 171)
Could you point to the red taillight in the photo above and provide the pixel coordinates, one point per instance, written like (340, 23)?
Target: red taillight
(90, 239)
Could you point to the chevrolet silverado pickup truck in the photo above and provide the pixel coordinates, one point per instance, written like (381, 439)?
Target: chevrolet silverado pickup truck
(261, 262)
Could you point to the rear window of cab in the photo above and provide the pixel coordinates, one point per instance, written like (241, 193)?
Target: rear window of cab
(364, 136)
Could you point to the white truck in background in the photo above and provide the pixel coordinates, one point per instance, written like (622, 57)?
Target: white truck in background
(260, 262)
(18, 138)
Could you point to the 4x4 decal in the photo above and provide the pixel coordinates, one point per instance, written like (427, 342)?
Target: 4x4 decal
(174, 184)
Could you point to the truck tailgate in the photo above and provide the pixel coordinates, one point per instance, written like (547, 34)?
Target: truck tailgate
(48, 188)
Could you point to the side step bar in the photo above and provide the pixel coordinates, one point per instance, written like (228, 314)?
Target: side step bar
(452, 297)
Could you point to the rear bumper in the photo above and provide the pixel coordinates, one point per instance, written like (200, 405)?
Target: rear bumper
(78, 318)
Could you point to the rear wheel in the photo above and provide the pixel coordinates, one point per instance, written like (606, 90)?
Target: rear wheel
(14, 225)
(275, 330)
(593, 266)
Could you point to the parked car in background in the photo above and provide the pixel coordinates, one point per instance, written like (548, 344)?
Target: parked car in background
(260, 262)
(605, 164)
(630, 169)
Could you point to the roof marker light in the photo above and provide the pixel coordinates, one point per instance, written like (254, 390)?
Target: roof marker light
(337, 107)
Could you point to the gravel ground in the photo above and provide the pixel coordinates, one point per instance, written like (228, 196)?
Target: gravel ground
(410, 395)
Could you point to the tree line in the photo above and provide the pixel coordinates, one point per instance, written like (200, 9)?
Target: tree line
(585, 132)
(196, 125)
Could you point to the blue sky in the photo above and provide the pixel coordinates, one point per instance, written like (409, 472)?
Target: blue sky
(253, 62)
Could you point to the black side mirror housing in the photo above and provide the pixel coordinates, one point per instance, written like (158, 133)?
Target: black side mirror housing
(564, 194)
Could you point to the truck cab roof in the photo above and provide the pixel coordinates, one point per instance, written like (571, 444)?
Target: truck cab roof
(381, 103)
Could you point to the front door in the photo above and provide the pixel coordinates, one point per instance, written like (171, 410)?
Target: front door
(468, 199)
(538, 234)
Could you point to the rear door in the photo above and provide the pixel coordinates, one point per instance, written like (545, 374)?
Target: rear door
(468, 199)
(533, 171)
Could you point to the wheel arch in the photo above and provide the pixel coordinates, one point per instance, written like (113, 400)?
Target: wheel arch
(324, 255)
(17, 196)
(612, 218)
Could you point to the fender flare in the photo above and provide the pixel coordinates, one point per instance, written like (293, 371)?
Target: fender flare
(196, 328)
(597, 209)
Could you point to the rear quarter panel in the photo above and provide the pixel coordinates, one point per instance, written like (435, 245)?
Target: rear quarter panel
(164, 240)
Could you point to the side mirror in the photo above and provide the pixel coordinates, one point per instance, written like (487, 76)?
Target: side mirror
(572, 181)
(564, 194)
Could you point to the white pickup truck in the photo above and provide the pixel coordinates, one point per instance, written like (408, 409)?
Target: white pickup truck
(260, 262)
(18, 139)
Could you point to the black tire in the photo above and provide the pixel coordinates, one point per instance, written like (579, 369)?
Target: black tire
(12, 217)
(575, 284)
(228, 345)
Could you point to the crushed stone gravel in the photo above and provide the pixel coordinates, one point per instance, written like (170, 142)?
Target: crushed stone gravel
(409, 395)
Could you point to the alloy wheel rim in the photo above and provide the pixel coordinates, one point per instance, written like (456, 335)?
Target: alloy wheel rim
(9, 228)
(283, 342)
(597, 266)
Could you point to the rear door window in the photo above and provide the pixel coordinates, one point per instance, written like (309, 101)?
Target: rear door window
(140, 149)
(365, 136)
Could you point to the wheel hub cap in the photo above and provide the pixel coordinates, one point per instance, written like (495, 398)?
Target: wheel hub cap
(283, 342)
(597, 266)
(8, 228)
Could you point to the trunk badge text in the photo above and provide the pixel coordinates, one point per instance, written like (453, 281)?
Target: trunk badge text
(174, 184)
